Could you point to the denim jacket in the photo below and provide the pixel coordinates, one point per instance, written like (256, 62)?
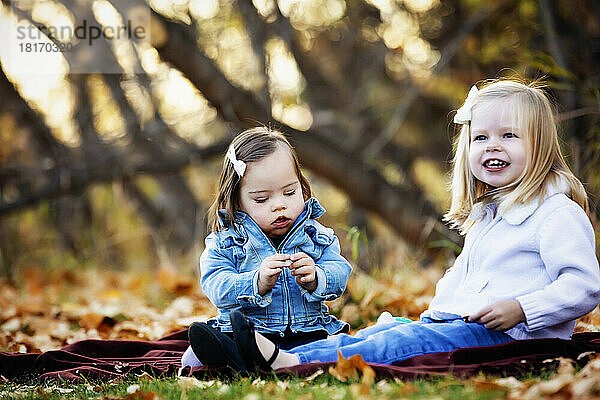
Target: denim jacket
(230, 264)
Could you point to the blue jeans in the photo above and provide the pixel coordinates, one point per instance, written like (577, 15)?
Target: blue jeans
(386, 343)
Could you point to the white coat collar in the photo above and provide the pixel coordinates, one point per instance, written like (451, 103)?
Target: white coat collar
(518, 213)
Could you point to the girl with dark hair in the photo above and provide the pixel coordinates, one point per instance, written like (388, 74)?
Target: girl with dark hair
(267, 256)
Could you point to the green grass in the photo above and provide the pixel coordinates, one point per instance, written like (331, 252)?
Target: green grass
(324, 387)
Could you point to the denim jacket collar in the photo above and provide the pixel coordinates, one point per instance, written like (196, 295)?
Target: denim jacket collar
(312, 210)
(518, 213)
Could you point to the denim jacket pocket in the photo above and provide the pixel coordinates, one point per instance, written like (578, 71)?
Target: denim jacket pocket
(247, 260)
(314, 308)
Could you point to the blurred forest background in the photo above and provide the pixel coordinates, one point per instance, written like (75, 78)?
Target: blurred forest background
(115, 172)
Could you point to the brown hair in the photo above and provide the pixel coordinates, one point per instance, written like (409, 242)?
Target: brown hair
(251, 145)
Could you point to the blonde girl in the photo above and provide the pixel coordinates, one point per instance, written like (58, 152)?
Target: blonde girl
(528, 268)
(267, 257)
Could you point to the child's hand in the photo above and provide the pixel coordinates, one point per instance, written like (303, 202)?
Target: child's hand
(269, 271)
(499, 316)
(304, 269)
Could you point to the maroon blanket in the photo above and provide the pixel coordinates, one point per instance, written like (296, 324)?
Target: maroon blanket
(103, 360)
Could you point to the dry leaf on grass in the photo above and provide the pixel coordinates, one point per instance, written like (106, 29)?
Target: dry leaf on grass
(314, 375)
(566, 385)
(485, 385)
(142, 396)
(186, 382)
(406, 388)
(349, 368)
(171, 281)
(510, 382)
(101, 323)
(360, 390)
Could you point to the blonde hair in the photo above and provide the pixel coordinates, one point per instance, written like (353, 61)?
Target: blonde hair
(251, 145)
(545, 163)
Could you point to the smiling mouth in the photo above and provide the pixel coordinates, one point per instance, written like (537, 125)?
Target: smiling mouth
(495, 164)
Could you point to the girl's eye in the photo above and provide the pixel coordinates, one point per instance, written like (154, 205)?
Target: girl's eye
(479, 137)
(290, 193)
(510, 135)
(260, 200)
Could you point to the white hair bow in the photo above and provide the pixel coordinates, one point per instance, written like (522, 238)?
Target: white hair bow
(238, 165)
(463, 114)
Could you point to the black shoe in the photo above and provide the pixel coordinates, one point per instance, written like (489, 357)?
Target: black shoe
(213, 348)
(243, 332)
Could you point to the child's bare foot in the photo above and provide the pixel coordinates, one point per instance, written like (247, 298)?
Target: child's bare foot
(267, 348)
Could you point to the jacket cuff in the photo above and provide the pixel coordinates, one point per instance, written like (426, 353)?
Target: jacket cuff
(320, 292)
(534, 312)
(247, 290)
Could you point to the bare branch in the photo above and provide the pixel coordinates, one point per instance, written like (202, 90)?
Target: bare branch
(405, 210)
(257, 32)
(447, 53)
(82, 175)
(580, 112)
